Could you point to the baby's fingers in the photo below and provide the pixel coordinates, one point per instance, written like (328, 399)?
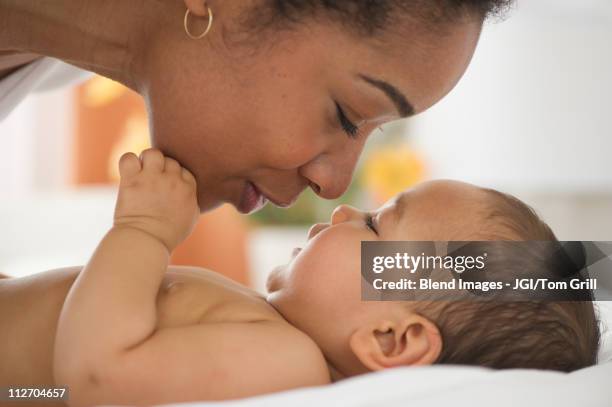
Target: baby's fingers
(172, 166)
(129, 165)
(152, 160)
(188, 176)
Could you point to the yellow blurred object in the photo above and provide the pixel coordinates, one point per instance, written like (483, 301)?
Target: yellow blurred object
(134, 138)
(100, 91)
(390, 170)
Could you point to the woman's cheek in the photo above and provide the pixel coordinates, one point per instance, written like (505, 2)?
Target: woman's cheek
(294, 142)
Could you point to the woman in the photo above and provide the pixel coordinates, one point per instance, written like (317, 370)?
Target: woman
(258, 99)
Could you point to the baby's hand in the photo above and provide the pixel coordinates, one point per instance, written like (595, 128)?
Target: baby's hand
(157, 196)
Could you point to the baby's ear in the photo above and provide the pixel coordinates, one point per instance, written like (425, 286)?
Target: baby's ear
(411, 341)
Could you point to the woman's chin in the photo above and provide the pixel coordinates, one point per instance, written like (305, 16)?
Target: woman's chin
(207, 203)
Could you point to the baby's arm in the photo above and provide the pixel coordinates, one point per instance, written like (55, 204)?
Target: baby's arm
(111, 307)
(108, 350)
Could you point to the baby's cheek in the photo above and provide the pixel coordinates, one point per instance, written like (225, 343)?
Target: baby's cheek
(323, 275)
(319, 288)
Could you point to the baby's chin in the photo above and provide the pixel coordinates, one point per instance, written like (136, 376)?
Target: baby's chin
(275, 300)
(275, 279)
(281, 304)
(277, 276)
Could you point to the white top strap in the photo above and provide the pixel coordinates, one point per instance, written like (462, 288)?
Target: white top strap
(40, 75)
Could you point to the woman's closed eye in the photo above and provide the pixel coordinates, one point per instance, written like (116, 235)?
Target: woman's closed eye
(348, 126)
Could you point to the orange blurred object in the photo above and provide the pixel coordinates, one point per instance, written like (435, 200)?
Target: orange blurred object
(107, 116)
(218, 243)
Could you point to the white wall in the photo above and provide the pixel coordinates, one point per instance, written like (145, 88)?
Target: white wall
(36, 140)
(46, 230)
(534, 111)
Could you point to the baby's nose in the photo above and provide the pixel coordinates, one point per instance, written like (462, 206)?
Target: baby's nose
(316, 228)
(344, 213)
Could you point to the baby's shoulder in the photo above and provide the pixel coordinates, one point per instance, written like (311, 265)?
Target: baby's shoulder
(289, 352)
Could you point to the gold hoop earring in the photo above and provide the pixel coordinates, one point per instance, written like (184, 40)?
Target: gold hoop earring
(198, 37)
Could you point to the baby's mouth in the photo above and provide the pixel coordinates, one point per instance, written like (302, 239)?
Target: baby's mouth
(295, 252)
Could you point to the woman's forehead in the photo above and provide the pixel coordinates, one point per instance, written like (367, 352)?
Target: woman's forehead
(423, 68)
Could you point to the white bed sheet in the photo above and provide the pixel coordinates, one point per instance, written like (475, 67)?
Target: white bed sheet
(448, 386)
(456, 386)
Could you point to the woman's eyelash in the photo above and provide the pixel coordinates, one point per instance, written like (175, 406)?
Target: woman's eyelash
(348, 126)
(370, 223)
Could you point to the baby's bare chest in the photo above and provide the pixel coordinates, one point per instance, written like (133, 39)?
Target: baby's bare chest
(189, 297)
(30, 308)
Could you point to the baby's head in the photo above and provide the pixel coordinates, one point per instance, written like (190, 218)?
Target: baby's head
(319, 291)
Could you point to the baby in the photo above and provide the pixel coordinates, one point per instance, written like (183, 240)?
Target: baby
(129, 329)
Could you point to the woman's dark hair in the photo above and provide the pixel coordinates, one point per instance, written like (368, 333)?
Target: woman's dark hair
(370, 16)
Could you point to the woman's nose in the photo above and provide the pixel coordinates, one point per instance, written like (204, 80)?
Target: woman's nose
(330, 174)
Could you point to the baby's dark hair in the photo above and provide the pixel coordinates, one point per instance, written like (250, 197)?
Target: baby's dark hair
(546, 335)
(371, 16)
(539, 334)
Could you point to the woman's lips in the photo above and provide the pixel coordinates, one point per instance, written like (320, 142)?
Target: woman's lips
(251, 200)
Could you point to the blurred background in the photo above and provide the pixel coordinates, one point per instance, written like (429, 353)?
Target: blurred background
(531, 117)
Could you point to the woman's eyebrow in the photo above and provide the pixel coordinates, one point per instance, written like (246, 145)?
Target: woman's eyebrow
(403, 106)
